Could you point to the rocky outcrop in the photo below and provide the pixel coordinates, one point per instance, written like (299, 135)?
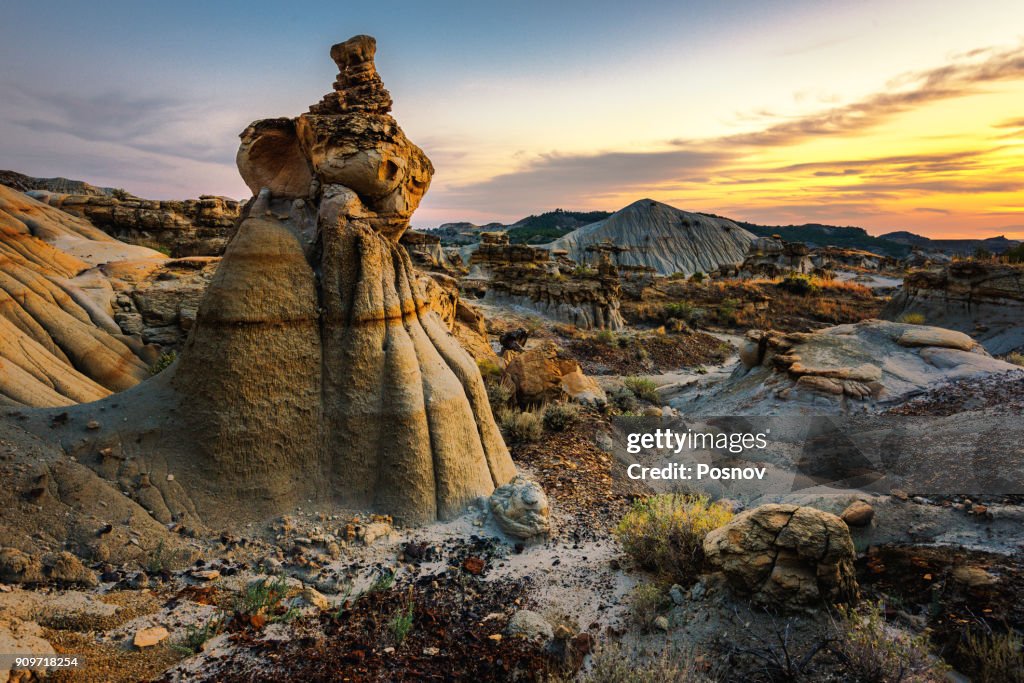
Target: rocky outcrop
(785, 556)
(520, 508)
(772, 256)
(316, 368)
(985, 300)
(193, 227)
(538, 376)
(848, 368)
(425, 250)
(59, 342)
(649, 233)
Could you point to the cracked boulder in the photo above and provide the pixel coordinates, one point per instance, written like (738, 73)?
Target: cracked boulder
(521, 509)
(785, 556)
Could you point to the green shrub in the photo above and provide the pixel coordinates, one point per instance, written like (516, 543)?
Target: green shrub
(1016, 358)
(679, 310)
(401, 621)
(623, 400)
(605, 337)
(665, 533)
(643, 389)
(266, 596)
(697, 277)
(797, 283)
(993, 657)
(1015, 255)
(163, 362)
(873, 651)
(912, 318)
(521, 426)
(489, 369)
(119, 193)
(560, 416)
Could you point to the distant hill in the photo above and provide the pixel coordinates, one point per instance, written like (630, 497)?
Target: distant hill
(549, 226)
(24, 183)
(966, 247)
(818, 235)
(662, 237)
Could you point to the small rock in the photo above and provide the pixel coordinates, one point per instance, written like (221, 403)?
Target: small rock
(431, 651)
(206, 575)
(858, 513)
(496, 637)
(474, 565)
(92, 424)
(149, 637)
(676, 593)
(170, 477)
(530, 625)
(974, 577)
(899, 494)
(661, 623)
(140, 580)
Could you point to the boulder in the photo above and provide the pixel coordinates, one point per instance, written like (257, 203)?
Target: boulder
(538, 376)
(520, 508)
(148, 637)
(785, 555)
(858, 513)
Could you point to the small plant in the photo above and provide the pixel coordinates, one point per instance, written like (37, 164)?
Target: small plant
(560, 416)
(610, 664)
(401, 621)
(1015, 357)
(489, 370)
(119, 193)
(679, 310)
(583, 271)
(606, 337)
(623, 400)
(196, 636)
(646, 603)
(157, 562)
(727, 310)
(872, 650)
(521, 426)
(163, 362)
(697, 277)
(912, 318)
(993, 657)
(264, 599)
(798, 283)
(643, 389)
(665, 533)
(384, 580)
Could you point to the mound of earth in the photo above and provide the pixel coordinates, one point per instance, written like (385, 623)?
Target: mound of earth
(652, 234)
(860, 367)
(985, 300)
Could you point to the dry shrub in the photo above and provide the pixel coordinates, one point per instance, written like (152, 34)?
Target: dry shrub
(912, 318)
(665, 533)
(613, 664)
(993, 657)
(643, 389)
(560, 416)
(1016, 358)
(521, 426)
(875, 652)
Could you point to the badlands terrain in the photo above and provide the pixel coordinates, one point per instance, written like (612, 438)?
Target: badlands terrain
(290, 438)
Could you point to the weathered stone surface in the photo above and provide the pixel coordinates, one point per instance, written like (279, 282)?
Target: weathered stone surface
(538, 376)
(858, 513)
(532, 625)
(270, 157)
(785, 555)
(24, 638)
(192, 227)
(520, 508)
(148, 637)
(985, 300)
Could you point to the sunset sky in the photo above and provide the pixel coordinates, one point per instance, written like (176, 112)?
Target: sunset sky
(887, 115)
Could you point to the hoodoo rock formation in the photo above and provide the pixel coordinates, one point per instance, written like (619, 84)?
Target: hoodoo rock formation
(316, 368)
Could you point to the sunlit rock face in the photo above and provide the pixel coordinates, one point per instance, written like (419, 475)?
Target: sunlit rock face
(317, 369)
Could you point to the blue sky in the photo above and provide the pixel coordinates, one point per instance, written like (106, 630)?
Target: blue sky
(531, 105)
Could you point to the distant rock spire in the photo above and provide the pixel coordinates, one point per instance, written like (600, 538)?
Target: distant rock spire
(358, 86)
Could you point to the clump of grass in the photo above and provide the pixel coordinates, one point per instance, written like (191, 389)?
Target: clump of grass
(665, 533)
(871, 650)
(912, 318)
(993, 657)
(157, 561)
(1016, 358)
(401, 621)
(489, 370)
(643, 389)
(560, 416)
(265, 597)
(623, 400)
(610, 664)
(163, 362)
(646, 603)
(521, 426)
(678, 310)
(798, 283)
(697, 277)
(196, 636)
(727, 310)
(606, 337)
